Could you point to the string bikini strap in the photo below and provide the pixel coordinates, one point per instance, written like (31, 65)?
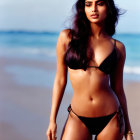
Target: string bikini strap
(70, 109)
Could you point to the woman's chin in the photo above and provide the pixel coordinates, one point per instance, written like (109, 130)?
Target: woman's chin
(95, 21)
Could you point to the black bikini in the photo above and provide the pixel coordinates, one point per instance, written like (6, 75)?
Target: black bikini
(107, 66)
(96, 124)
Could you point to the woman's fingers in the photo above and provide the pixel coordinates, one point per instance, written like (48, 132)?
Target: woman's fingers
(49, 135)
(53, 135)
(51, 132)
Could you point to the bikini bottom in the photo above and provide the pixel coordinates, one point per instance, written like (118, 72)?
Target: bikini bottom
(96, 124)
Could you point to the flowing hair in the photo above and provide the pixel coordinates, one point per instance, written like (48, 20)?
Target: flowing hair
(76, 56)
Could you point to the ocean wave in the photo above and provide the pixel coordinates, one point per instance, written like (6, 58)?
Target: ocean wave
(28, 51)
(132, 69)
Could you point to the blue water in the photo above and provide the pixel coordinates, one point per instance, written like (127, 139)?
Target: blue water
(41, 46)
(33, 45)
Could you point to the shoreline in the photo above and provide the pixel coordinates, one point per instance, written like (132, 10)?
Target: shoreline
(25, 109)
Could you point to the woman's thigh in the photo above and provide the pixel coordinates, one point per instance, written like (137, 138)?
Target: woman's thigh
(74, 129)
(112, 130)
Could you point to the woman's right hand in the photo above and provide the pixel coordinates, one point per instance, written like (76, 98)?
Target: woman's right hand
(51, 131)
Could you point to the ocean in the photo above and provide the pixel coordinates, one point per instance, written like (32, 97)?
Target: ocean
(41, 46)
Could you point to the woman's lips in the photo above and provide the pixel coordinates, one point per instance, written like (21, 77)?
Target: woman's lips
(94, 15)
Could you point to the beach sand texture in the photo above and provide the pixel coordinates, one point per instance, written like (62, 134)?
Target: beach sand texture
(25, 109)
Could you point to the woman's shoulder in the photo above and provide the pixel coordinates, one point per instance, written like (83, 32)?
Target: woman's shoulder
(65, 35)
(63, 41)
(121, 48)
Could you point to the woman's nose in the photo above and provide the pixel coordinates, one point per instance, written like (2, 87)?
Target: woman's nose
(94, 7)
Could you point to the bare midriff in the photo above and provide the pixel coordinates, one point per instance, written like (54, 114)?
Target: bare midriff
(92, 94)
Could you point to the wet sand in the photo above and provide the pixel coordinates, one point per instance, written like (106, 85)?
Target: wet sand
(25, 110)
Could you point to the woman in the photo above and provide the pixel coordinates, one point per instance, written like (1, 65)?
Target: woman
(95, 63)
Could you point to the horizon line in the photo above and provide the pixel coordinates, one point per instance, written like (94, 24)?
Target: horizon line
(48, 31)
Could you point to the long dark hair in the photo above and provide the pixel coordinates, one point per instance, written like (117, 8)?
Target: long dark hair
(76, 56)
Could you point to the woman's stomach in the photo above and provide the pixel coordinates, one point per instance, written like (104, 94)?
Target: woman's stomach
(96, 103)
(92, 95)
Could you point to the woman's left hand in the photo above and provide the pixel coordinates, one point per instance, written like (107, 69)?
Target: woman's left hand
(129, 137)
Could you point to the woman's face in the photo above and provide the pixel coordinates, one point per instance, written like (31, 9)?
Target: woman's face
(95, 10)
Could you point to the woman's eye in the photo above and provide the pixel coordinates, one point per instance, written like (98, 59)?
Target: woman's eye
(101, 3)
(88, 4)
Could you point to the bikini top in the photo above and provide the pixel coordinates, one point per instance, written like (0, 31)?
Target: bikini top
(107, 66)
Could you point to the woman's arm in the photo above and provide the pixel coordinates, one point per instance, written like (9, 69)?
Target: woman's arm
(116, 83)
(59, 82)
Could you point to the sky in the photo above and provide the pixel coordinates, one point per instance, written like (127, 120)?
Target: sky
(54, 15)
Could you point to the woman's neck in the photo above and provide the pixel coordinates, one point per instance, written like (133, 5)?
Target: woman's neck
(97, 31)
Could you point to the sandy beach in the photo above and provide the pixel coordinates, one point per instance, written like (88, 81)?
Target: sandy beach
(25, 109)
